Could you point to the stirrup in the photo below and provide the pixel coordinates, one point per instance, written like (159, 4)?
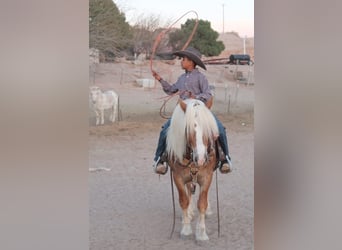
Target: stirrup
(160, 164)
(228, 166)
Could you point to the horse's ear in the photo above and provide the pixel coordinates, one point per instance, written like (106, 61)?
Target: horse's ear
(209, 103)
(182, 104)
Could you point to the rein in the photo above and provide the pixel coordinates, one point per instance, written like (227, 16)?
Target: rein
(173, 205)
(218, 208)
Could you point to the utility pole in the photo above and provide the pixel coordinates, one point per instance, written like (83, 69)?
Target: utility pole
(244, 44)
(223, 18)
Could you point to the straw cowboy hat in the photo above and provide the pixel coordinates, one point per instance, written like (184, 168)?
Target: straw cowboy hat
(193, 54)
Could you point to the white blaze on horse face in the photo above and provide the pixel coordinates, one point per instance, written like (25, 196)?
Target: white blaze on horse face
(200, 145)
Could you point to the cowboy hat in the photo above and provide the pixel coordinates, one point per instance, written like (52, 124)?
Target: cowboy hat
(193, 54)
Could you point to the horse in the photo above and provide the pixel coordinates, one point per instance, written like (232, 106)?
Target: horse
(192, 156)
(102, 101)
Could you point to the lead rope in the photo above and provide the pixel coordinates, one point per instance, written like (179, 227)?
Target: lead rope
(173, 204)
(218, 208)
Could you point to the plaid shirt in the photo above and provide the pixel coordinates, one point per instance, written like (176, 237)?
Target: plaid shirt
(191, 82)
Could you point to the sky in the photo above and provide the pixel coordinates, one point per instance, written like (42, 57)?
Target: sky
(224, 15)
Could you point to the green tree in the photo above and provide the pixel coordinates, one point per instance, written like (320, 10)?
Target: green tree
(108, 30)
(204, 39)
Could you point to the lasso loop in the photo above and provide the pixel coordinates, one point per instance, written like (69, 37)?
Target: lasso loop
(162, 34)
(168, 98)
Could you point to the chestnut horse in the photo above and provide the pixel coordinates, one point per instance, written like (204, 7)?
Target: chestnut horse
(192, 158)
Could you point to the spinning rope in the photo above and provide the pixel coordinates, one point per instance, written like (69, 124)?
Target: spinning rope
(156, 44)
(162, 34)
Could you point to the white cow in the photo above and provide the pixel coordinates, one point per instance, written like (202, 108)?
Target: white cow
(102, 101)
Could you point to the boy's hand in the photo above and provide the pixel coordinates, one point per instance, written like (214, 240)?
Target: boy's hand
(156, 76)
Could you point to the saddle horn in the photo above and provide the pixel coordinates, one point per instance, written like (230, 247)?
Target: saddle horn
(182, 104)
(208, 103)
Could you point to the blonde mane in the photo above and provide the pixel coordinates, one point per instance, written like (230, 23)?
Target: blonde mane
(182, 124)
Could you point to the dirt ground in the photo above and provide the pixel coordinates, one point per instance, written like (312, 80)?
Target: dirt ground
(130, 206)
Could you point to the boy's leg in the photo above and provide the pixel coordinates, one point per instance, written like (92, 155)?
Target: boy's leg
(159, 166)
(226, 164)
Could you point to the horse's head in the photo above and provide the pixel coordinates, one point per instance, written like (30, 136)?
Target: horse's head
(94, 93)
(200, 131)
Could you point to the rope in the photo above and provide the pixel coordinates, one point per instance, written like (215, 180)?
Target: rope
(173, 204)
(218, 208)
(157, 42)
(162, 34)
(168, 98)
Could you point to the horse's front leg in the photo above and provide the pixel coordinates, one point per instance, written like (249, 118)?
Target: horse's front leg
(202, 206)
(209, 211)
(102, 116)
(111, 115)
(184, 204)
(115, 109)
(201, 233)
(97, 114)
(191, 212)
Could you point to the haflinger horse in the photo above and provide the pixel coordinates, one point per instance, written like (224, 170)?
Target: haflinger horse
(102, 101)
(192, 157)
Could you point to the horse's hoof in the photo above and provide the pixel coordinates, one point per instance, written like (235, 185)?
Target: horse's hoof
(201, 234)
(186, 231)
(208, 212)
(202, 237)
(186, 237)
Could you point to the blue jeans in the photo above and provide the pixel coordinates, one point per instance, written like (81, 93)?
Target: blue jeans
(163, 133)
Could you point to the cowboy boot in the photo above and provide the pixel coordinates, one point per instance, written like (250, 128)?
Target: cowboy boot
(160, 167)
(226, 165)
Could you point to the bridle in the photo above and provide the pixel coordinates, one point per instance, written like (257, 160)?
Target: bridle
(194, 168)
